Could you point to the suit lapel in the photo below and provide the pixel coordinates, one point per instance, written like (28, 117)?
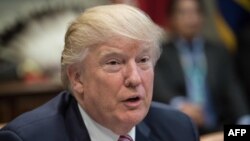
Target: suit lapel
(177, 62)
(143, 133)
(211, 64)
(176, 67)
(75, 125)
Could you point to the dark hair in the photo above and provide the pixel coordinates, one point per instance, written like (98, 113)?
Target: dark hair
(172, 5)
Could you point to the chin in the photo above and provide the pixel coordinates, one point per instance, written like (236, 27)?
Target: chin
(136, 116)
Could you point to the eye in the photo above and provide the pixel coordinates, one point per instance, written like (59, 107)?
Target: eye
(113, 62)
(145, 62)
(112, 65)
(144, 59)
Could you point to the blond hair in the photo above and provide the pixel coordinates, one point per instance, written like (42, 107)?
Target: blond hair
(99, 24)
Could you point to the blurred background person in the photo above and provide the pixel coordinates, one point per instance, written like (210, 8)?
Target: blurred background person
(195, 75)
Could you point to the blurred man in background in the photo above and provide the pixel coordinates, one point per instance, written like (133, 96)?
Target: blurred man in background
(195, 75)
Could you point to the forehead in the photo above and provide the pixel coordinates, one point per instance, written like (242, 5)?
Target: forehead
(124, 46)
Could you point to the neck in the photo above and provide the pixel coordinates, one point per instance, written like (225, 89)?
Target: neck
(121, 129)
(116, 126)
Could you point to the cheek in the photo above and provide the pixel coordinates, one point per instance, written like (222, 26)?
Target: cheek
(101, 93)
(148, 79)
(110, 83)
(105, 86)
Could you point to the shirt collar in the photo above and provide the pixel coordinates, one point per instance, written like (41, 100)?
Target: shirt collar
(99, 133)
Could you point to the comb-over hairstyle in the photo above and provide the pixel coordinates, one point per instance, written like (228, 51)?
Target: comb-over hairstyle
(101, 24)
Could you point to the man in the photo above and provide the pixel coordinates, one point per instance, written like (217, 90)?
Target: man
(108, 68)
(195, 75)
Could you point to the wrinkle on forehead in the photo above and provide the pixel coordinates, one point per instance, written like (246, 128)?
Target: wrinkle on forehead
(116, 44)
(119, 50)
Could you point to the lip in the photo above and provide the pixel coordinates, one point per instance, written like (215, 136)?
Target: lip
(133, 102)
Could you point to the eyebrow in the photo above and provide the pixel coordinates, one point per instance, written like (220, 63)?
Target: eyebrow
(117, 52)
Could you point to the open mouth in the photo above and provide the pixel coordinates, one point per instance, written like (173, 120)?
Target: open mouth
(133, 99)
(133, 102)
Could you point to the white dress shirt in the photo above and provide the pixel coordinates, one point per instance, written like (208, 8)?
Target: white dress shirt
(99, 133)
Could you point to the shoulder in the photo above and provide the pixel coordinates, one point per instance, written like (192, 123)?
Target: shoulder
(160, 112)
(170, 123)
(169, 54)
(168, 46)
(44, 120)
(216, 47)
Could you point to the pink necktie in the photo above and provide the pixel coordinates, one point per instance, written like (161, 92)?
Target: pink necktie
(125, 138)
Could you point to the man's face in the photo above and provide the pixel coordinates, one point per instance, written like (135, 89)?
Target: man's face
(117, 83)
(187, 19)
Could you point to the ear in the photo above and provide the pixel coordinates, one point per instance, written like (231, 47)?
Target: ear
(74, 76)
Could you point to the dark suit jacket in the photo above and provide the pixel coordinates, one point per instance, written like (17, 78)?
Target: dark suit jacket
(60, 120)
(226, 94)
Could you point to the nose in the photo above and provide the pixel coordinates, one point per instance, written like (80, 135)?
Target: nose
(132, 75)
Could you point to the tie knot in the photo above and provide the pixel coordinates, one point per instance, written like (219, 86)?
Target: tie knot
(125, 138)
